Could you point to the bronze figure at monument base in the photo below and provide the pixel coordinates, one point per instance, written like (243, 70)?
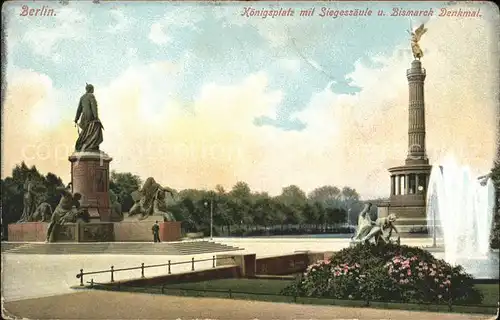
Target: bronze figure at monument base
(151, 201)
(68, 210)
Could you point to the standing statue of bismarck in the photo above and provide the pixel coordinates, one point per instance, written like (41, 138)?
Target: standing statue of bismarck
(90, 136)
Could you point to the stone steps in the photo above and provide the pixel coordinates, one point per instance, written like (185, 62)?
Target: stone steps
(176, 248)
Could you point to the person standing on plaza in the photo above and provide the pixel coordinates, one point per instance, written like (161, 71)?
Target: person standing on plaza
(156, 232)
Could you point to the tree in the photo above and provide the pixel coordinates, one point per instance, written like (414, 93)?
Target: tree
(241, 190)
(294, 200)
(495, 234)
(330, 197)
(325, 194)
(183, 211)
(279, 209)
(220, 189)
(240, 203)
(262, 209)
(190, 208)
(335, 215)
(322, 214)
(293, 196)
(123, 184)
(349, 194)
(12, 202)
(222, 212)
(13, 192)
(52, 196)
(351, 204)
(311, 213)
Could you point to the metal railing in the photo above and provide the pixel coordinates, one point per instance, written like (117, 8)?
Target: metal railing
(169, 265)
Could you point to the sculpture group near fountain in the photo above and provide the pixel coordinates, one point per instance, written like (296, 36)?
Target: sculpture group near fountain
(378, 231)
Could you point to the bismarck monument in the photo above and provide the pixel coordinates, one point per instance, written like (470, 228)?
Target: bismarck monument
(84, 213)
(89, 165)
(409, 182)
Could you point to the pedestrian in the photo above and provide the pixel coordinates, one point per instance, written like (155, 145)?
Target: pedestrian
(156, 232)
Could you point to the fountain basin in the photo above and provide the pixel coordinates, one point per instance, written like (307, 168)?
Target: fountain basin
(486, 267)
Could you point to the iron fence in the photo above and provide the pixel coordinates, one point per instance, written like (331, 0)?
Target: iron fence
(142, 267)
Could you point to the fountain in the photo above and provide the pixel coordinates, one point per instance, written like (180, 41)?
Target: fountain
(460, 211)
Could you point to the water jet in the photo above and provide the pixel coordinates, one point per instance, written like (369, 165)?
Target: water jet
(460, 210)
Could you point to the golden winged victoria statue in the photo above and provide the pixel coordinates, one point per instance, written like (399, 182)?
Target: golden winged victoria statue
(415, 38)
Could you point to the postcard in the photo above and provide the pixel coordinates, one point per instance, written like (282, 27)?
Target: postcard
(253, 153)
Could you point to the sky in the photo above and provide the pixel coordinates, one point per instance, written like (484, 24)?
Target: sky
(197, 95)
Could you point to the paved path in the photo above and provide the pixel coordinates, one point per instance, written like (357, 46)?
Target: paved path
(124, 305)
(262, 246)
(37, 275)
(269, 246)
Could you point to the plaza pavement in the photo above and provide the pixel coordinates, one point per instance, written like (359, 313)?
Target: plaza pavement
(38, 286)
(269, 246)
(35, 275)
(38, 275)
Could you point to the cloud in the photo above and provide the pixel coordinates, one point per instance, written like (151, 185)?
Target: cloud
(69, 24)
(292, 65)
(121, 22)
(132, 53)
(461, 103)
(179, 147)
(349, 139)
(33, 127)
(157, 34)
(174, 19)
(279, 32)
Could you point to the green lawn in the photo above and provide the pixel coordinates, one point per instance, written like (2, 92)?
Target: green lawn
(269, 290)
(237, 285)
(490, 292)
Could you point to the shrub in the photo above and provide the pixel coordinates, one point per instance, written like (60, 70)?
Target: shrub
(386, 272)
(495, 232)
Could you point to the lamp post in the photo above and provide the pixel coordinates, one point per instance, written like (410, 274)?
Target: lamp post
(211, 216)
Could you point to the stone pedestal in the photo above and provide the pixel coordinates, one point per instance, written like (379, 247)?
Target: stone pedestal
(90, 178)
(69, 232)
(409, 184)
(28, 231)
(140, 230)
(170, 231)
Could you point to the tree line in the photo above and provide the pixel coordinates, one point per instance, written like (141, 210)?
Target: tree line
(241, 211)
(495, 236)
(238, 211)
